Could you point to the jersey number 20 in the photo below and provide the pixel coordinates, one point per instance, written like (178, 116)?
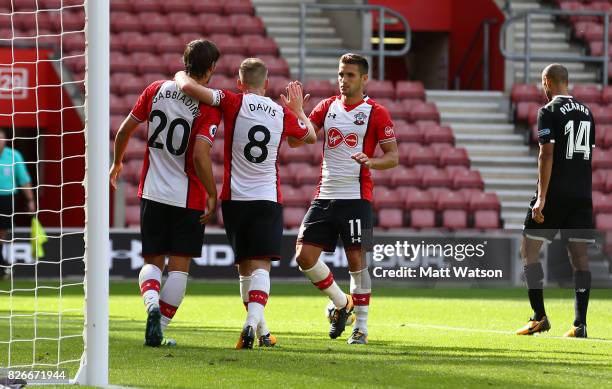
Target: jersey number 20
(580, 142)
(163, 120)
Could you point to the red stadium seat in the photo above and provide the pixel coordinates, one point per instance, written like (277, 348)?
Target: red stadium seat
(150, 78)
(307, 175)
(454, 219)
(402, 177)
(396, 110)
(73, 42)
(221, 82)
(602, 159)
(121, 63)
(147, 6)
(378, 89)
(148, 63)
(603, 221)
(486, 219)
(451, 200)
(410, 90)
(215, 24)
(154, 22)
(408, 133)
(522, 110)
(120, 82)
(207, 7)
(229, 64)
(297, 154)
(587, 93)
(130, 192)
(173, 63)
(166, 43)
(454, 156)
(132, 170)
(526, 93)
(422, 218)
(177, 6)
(608, 186)
(295, 197)
(135, 42)
(319, 88)
(438, 134)
(120, 6)
(73, 20)
(228, 44)
(413, 154)
(437, 178)
(277, 66)
(390, 218)
(602, 115)
(382, 177)
(118, 106)
(592, 32)
(183, 22)
(599, 180)
(244, 24)
(233, 7)
(468, 179)
(258, 45)
(532, 114)
(606, 95)
(293, 216)
(484, 201)
(386, 198)
(419, 199)
(135, 149)
(602, 203)
(132, 215)
(424, 111)
(276, 86)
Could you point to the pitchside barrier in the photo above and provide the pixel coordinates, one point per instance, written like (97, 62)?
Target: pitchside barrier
(412, 259)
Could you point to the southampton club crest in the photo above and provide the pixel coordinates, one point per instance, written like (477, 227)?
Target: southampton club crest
(360, 119)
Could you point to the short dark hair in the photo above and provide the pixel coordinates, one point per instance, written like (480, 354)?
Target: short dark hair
(356, 59)
(557, 73)
(199, 56)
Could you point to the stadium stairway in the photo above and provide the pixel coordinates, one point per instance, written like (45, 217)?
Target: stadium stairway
(480, 124)
(281, 18)
(550, 38)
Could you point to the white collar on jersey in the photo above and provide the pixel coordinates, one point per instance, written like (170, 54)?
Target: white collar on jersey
(562, 96)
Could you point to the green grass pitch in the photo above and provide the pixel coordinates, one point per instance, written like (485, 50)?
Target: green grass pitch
(442, 338)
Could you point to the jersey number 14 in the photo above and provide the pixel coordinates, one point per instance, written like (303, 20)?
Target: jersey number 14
(580, 142)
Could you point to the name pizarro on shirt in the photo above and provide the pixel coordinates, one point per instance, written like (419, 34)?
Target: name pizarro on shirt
(262, 107)
(573, 106)
(192, 105)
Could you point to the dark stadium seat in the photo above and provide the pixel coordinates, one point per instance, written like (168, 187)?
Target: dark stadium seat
(390, 218)
(319, 88)
(403, 177)
(486, 219)
(468, 179)
(589, 94)
(386, 198)
(422, 218)
(454, 156)
(526, 93)
(378, 89)
(409, 90)
(233, 7)
(451, 200)
(454, 219)
(293, 216)
(245, 24)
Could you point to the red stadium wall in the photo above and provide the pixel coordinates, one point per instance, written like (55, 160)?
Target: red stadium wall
(461, 22)
(57, 142)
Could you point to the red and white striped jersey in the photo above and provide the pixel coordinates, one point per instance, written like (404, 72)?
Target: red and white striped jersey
(175, 120)
(348, 130)
(255, 127)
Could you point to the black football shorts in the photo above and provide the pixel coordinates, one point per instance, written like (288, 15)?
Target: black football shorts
(328, 219)
(254, 228)
(573, 217)
(170, 230)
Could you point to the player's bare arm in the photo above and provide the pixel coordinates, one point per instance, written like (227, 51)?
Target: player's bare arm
(189, 86)
(388, 160)
(295, 102)
(126, 130)
(203, 168)
(545, 163)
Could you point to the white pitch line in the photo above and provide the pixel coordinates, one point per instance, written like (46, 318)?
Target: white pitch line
(480, 330)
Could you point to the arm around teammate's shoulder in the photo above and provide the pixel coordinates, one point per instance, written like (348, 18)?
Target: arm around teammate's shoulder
(190, 87)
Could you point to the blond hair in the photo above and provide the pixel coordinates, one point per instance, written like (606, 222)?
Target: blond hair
(253, 72)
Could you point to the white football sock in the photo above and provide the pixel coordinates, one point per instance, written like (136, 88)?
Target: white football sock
(149, 280)
(172, 295)
(245, 284)
(322, 278)
(361, 289)
(258, 297)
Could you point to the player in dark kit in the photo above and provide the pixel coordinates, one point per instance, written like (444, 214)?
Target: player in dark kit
(563, 200)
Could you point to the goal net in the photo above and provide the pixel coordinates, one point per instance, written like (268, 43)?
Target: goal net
(53, 107)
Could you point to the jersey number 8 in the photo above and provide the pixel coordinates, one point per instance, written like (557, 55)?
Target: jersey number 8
(260, 144)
